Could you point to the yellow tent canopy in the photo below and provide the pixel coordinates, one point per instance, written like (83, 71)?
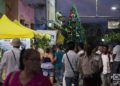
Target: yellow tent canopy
(39, 35)
(8, 29)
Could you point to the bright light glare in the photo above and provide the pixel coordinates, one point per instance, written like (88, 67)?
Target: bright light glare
(50, 24)
(114, 8)
(103, 40)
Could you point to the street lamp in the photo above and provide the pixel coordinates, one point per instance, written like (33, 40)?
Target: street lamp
(115, 8)
(103, 40)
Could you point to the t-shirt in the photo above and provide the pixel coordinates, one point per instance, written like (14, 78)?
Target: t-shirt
(90, 64)
(106, 63)
(59, 56)
(74, 59)
(37, 80)
(116, 50)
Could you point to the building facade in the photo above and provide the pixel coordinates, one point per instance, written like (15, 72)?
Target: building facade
(44, 13)
(2, 7)
(20, 11)
(25, 14)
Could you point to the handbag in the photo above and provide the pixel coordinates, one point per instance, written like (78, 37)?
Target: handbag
(76, 73)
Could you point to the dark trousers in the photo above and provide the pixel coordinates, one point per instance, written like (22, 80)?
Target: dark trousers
(116, 67)
(94, 80)
(69, 81)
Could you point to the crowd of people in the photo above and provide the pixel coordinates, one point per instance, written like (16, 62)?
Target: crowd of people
(95, 65)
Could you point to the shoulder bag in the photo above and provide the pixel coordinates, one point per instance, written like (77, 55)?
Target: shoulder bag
(76, 74)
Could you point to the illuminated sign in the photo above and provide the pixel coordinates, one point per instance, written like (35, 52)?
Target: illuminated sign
(113, 24)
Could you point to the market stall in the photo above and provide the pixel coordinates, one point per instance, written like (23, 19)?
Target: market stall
(8, 29)
(36, 34)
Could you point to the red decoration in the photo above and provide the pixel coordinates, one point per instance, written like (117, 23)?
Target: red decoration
(72, 14)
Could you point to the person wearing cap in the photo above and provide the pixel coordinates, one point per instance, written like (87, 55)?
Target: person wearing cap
(10, 59)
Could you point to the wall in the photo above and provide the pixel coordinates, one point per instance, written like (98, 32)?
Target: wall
(40, 12)
(25, 12)
(40, 18)
(19, 10)
(12, 9)
(2, 7)
(40, 15)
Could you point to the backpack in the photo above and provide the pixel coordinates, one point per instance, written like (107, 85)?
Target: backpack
(97, 65)
(91, 65)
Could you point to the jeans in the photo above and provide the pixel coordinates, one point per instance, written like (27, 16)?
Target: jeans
(116, 67)
(69, 81)
(106, 80)
(48, 72)
(59, 74)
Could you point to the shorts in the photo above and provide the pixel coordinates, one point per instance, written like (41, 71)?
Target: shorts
(48, 72)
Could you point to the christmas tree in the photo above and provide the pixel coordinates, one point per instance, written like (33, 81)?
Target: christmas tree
(73, 28)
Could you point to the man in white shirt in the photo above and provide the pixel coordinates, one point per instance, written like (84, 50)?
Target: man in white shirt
(10, 59)
(106, 66)
(74, 61)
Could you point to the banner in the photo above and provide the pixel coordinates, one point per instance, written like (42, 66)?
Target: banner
(53, 34)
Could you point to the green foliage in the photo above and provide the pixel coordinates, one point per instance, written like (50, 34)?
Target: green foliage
(43, 43)
(111, 37)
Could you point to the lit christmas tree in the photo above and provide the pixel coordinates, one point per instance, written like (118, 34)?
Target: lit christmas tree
(73, 28)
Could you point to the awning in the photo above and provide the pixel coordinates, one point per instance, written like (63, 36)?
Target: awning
(8, 29)
(36, 34)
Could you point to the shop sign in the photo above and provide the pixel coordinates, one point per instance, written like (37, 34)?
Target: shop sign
(114, 24)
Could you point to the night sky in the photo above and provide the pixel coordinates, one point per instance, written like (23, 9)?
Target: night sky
(88, 8)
